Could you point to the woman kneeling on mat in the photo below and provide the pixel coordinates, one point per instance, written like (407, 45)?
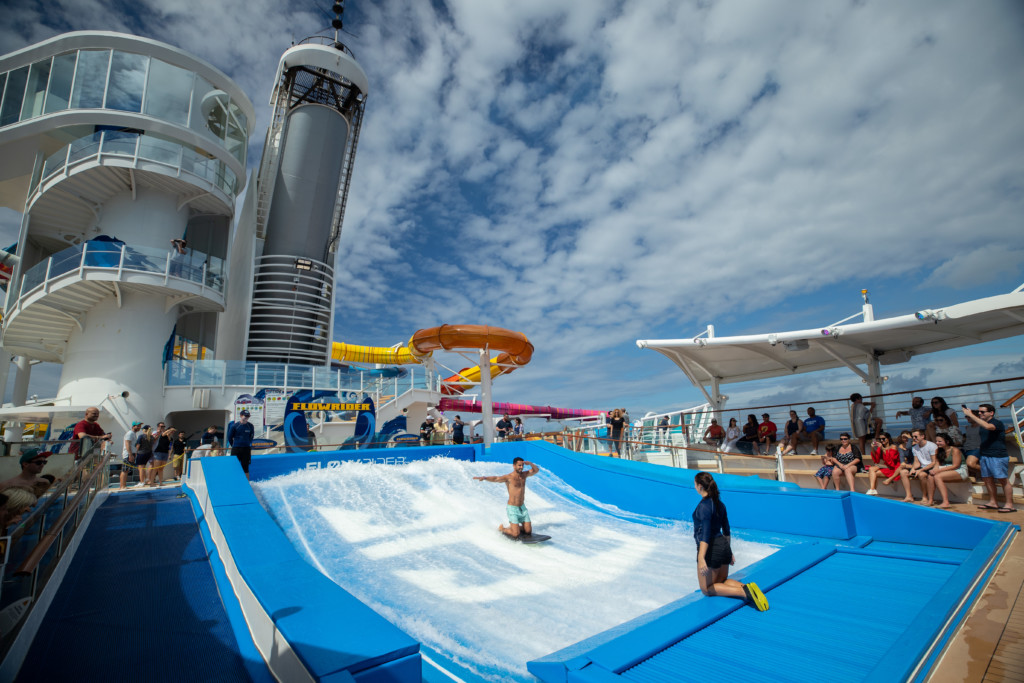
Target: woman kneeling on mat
(714, 553)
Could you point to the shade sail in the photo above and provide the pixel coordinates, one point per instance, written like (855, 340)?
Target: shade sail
(724, 360)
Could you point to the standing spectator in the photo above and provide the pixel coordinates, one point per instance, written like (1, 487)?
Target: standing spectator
(766, 433)
(239, 437)
(518, 429)
(714, 434)
(994, 459)
(87, 427)
(178, 455)
(732, 435)
(847, 461)
(793, 427)
(426, 429)
(663, 427)
(862, 420)
(161, 454)
(813, 430)
(458, 433)
(210, 437)
(504, 427)
(144, 453)
(616, 423)
(160, 427)
(179, 258)
(439, 434)
(919, 414)
(128, 452)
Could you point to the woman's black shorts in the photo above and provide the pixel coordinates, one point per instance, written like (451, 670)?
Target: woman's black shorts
(719, 553)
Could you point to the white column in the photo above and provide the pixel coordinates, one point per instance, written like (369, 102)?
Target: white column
(22, 374)
(487, 403)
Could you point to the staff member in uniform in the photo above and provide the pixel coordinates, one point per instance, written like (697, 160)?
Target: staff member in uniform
(714, 553)
(239, 437)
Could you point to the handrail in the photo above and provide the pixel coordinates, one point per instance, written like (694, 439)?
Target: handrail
(36, 555)
(867, 396)
(1008, 402)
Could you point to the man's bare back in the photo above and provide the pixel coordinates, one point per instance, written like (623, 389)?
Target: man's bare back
(515, 482)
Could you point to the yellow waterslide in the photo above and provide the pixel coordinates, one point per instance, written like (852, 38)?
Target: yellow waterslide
(517, 350)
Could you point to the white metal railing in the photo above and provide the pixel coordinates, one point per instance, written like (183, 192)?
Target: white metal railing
(194, 266)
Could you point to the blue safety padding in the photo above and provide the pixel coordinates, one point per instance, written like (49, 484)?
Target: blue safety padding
(251, 657)
(955, 555)
(265, 467)
(668, 492)
(139, 602)
(897, 522)
(825, 608)
(330, 630)
(404, 669)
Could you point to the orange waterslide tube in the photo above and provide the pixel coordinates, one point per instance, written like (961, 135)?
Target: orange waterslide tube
(515, 347)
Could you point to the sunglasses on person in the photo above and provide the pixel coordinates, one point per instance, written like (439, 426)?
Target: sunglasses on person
(38, 462)
(844, 438)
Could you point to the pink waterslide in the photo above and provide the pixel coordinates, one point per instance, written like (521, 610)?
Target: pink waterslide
(468, 406)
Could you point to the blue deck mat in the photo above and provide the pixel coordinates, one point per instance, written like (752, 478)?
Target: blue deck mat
(138, 602)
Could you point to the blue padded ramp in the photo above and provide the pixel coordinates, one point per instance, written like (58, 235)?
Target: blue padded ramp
(138, 602)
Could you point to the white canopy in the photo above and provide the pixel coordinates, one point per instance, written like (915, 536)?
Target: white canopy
(710, 361)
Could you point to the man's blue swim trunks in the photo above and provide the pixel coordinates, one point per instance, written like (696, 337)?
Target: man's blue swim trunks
(517, 514)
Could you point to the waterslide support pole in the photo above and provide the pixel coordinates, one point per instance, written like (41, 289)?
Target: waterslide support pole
(486, 400)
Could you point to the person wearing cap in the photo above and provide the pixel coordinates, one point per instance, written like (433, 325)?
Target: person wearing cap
(766, 432)
(426, 430)
(131, 438)
(88, 426)
(239, 437)
(32, 463)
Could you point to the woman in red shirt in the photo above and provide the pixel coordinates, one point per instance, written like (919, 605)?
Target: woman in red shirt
(886, 459)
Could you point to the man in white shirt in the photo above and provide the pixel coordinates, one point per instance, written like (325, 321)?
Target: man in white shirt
(131, 437)
(924, 459)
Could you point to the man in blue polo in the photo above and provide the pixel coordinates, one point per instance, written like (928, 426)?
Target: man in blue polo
(994, 459)
(239, 437)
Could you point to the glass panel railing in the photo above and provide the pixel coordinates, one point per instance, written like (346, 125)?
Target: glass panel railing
(150, 147)
(182, 372)
(193, 266)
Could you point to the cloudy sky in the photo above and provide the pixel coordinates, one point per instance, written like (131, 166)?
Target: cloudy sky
(592, 173)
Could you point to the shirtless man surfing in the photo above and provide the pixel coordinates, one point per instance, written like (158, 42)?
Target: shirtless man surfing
(515, 481)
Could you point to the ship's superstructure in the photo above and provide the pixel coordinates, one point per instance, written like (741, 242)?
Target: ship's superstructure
(126, 156)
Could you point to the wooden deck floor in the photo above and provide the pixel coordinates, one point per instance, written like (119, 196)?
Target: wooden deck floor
(989, 647)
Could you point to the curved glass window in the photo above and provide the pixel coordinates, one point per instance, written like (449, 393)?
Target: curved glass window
(62, 73)
(168, 92)
(13, 95)
(127, 81)
(90, 79)
(124, 81)
(35, 93)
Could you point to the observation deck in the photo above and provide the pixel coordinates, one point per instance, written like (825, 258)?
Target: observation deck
(57, 293)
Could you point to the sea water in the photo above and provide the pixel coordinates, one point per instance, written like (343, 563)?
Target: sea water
(419, 543)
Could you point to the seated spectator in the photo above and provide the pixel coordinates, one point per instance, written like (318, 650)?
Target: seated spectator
(919, 414)
(886, 463)
(732, 435)
(828, 463)
(847, 461)
(813, 430)
(32, 461)
(748, 441)
(714, 434)
(924, 459)
(952, 466)
(905, 443)
(940, 407)
(793, 427)
(19, 501)
(43, 484)
(863, 420)
(941, 425)
(766, 434)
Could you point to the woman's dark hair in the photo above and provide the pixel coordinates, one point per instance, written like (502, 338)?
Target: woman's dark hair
(831, 448)
(940, 451)
(943, 406)
(707, 482)
(751, 418)
(732, 421)
(887, 436)
(846, 434)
